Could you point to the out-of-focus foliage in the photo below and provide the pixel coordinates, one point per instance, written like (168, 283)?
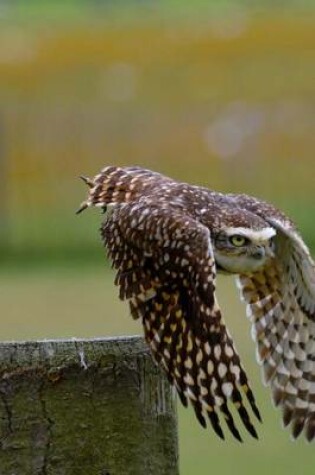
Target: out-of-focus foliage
(223, 97)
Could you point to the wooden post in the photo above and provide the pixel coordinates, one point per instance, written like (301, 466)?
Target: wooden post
(85, 407)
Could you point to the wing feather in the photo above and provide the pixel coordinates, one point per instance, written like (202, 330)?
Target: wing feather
(166, 270)
(299, 264)
(281, 305)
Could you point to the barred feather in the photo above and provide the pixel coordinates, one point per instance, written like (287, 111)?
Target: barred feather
(286, 342)
(119, 185)
(171, 287)
(281, 306)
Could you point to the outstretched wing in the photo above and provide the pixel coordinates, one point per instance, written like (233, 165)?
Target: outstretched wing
(166, 270)
(281, 304)
(300, 266)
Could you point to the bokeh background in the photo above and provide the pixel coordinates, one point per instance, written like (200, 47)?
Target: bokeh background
(219, 93)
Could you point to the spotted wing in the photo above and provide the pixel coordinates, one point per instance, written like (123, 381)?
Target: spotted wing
(165, 268)
(281, 305)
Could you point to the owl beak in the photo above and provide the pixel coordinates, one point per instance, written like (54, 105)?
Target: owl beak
(259, 253)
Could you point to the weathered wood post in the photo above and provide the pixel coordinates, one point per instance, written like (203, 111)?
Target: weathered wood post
(92, 407)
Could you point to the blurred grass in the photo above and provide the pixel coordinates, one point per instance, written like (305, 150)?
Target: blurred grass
(65, 303)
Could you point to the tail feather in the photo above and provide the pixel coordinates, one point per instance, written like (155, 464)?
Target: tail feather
(119, 185)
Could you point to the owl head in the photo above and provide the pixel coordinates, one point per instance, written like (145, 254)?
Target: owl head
(243, 249)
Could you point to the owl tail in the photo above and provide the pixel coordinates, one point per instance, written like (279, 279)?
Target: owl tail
(119, 185)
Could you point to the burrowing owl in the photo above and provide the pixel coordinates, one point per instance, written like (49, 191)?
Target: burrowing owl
(167, 241)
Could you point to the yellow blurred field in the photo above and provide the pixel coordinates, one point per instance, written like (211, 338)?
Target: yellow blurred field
(221, 99)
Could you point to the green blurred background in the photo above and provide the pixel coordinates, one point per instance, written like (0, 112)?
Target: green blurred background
(217, 93)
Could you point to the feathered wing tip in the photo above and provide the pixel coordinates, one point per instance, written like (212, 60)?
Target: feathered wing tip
(82, 207)
(86, 203)
(210, 385)
(87, 181)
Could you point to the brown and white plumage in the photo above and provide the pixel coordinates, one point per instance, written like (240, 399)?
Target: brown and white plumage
(281, 305)
(167, 240)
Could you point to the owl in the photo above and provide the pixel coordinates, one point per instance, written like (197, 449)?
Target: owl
(167, 241)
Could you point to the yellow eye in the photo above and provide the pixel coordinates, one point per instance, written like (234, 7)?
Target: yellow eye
(238, 240)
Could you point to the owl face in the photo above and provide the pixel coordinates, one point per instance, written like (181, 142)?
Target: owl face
(242, 250)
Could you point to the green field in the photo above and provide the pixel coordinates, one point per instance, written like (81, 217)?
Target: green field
(83, 302)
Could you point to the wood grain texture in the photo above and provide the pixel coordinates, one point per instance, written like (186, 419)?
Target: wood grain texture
(97, 407)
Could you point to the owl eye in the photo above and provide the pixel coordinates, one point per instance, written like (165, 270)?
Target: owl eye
(238, 240)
